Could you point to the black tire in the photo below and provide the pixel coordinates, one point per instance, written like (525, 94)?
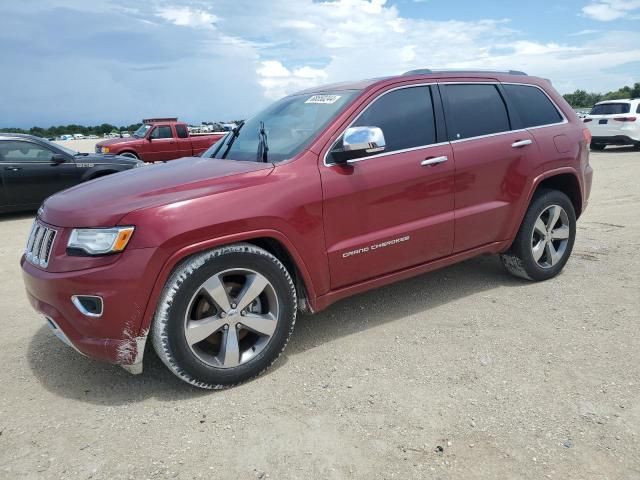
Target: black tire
(168, 328)
(129, 155)
(597, 147)
(519, 259)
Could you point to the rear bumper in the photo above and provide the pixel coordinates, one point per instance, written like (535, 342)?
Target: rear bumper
(114, 337)
(615, 140)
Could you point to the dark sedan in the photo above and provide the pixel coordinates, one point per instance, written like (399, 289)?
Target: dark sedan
(33, 168)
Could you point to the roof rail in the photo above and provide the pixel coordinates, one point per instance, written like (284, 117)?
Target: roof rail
(426, 71)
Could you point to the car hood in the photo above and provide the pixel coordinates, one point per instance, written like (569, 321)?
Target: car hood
(106, 200)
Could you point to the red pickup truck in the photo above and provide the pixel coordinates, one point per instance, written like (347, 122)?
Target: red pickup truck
(159, 139)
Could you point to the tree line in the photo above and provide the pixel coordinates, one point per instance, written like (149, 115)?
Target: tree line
(584, 99)
(53, 132)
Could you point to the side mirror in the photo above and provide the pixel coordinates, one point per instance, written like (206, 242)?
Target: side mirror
(58, 158)
(358, 142)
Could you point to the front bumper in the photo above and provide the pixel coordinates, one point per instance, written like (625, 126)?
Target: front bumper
(114, 337)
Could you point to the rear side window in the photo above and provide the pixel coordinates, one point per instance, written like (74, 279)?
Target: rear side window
(610, 108)
(182, 131)
(405, 117)
(163, 131)
(475, 110)
(533, 105)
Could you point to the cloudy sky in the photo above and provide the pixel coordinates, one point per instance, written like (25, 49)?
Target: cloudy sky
(117, 61)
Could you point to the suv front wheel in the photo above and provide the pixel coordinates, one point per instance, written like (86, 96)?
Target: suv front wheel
(225, 316)
(545, 239)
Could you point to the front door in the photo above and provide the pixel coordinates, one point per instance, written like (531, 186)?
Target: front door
(391, 210)
(162, 145)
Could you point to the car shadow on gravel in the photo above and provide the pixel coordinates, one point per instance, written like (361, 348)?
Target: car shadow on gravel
(416, 295)
(66, 373)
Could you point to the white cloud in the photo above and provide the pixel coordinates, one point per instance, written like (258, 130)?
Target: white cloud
(608, 10)
(277, 80)
(187, 17)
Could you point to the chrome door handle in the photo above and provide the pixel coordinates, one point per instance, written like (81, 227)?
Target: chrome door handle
(521, 143)
(428, 162)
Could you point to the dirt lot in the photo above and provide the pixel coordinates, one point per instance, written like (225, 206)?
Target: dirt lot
(462, 373)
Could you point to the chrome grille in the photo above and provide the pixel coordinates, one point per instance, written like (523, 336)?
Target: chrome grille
(40, 244)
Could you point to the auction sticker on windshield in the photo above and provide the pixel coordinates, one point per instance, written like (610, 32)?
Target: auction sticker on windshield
(327, 99)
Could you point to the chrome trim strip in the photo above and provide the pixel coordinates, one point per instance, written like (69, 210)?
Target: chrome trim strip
(75, 299)
(559, 110)
(386, 154)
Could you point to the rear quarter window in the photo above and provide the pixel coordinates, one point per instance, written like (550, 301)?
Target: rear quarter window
(611, 108)
(181, 131)
(533, 106)
(475, 110)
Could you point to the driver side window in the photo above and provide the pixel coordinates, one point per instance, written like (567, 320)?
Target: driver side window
(405, 116)
(21, 152)
(163, 131)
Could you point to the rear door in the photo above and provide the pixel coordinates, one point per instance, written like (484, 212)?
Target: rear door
(29, 173)
(162, 144)
(491, 162)
(387, 211)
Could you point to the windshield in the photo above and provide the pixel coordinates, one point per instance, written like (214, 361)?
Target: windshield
(142, 131)
(610, 108)
(290, 125)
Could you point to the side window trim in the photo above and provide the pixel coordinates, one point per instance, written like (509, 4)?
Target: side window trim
(435, 100)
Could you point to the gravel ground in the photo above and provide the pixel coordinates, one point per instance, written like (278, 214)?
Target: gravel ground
(462, 373)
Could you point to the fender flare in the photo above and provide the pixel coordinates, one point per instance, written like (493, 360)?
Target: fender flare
(537, 180)
(99, 171)
(186, 251)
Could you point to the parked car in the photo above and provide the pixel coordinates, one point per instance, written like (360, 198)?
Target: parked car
(614, 122)
(324, 194)
(33, 168)
(159, 139)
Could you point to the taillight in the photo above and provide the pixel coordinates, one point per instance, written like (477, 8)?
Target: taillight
(625, 119)
(586, 120)
(587, 135)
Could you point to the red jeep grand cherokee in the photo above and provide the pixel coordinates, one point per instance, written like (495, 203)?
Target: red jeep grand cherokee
(325, 194)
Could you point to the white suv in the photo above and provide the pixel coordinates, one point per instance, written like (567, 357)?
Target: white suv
(614, 122)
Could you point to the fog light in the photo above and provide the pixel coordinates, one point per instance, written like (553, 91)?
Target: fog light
(88, 305)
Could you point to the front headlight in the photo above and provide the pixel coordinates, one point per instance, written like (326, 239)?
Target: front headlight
(105, 150)
(100, 241)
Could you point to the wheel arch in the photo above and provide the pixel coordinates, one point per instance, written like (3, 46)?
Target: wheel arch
(101, 172)
(566, 183)
(270, 240)
(130, 152)
(565, 180)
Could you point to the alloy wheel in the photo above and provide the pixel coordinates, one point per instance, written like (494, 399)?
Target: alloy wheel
(231, 318)
(550, 236)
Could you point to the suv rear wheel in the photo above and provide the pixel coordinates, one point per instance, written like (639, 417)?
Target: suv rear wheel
(545, 239)
(225, 316)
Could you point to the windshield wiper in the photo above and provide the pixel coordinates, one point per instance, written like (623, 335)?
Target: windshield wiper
(234, 134)
(263, 147)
